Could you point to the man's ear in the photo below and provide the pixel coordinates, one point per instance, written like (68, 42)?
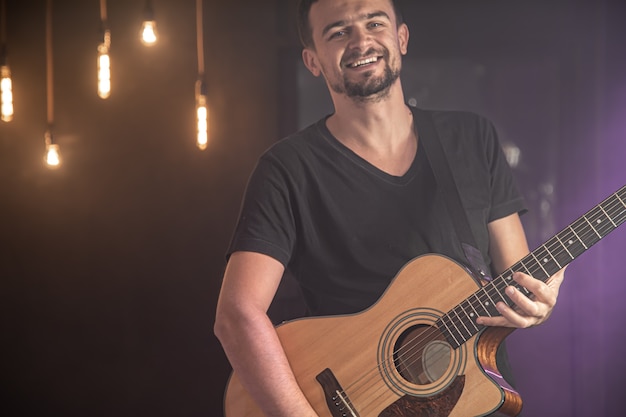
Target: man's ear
(309, 57)
(403, 38)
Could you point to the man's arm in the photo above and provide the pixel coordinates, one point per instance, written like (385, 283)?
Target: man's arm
(508, 245)
(249, 338)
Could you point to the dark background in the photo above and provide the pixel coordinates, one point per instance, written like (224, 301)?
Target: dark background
(110, 266)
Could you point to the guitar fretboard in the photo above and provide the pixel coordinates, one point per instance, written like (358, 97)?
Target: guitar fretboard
(459, 325)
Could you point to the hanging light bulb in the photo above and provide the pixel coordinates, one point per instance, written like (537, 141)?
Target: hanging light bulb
(6, 94)
(53, 156)
(202, 115)
(148, 33)
(202, 104)
(6, 86)
(104, 66)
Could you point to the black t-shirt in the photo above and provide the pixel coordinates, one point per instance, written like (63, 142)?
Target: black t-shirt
(344, 228)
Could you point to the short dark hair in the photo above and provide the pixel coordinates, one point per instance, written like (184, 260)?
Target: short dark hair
(304, 24)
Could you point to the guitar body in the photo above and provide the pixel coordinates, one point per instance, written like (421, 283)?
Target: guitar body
(391, 359)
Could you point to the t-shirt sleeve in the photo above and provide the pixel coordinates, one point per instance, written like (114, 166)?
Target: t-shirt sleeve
(266, 223)
(506, 197)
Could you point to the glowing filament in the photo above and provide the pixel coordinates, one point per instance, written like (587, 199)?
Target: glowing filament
(148, 33)
(104, 71)
(53, 158)
(6, 94)
(202, 113)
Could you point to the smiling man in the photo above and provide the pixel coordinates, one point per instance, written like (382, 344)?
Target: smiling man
(346, 202)
(359, 71)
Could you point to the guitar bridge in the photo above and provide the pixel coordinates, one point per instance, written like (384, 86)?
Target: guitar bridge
(337, 400)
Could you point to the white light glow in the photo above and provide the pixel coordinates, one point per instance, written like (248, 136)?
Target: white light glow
(53, 156)
(202, 116)
(148, 33)
(6, 94)
(104, 71)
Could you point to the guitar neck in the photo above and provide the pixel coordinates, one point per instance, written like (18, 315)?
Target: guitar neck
(459, 324)
(575, 239)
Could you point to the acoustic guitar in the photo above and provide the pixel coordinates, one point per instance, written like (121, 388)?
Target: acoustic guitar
(418, 352)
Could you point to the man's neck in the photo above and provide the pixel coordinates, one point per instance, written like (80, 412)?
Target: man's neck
(379, 131)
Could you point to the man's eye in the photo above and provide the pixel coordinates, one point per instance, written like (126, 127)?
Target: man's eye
(338, 34)
(376, 24)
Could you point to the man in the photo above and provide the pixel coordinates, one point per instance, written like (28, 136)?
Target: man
(346, 202)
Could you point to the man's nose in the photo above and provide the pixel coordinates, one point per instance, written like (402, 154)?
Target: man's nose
(360, 38)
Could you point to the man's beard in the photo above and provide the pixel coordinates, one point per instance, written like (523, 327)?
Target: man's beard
(369, 88)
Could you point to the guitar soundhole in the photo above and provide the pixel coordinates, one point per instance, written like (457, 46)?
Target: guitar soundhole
(422, 355)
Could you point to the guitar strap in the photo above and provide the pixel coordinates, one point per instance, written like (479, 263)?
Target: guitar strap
(433, 147)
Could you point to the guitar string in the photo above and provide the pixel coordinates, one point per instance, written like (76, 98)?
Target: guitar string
(554, 243)
(538, 268)
(587, 233)
(379, 388)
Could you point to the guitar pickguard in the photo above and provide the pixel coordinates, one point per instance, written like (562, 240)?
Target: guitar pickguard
(440, 405)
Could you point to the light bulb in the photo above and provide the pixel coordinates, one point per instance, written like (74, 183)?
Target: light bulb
(104, 72)
(53, 156)
(6, 94)
(203, 126)
(202, 116)
(148, 32)
(104, 67)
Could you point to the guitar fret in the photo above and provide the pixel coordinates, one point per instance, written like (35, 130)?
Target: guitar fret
(500, 283)
(571, 247)
(467, 331)
(608, 217)
(516, 285)
(540, 265)
(444, 330)
(505, 284)
(578, 237)
(489, 304)
(524, 267)
(449, 331)
(507, 279)
(474, 313)
(550, 262)
(484, 311)
(501, 296)
(565, 247)
(470, 316)
(576, 247)
(592, 228)
(459, 324)
(604, 224)
(620, 199)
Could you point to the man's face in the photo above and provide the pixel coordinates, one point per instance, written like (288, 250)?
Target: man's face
(358, 46)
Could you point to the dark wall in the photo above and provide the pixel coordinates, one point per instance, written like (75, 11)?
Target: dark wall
(110, 266)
